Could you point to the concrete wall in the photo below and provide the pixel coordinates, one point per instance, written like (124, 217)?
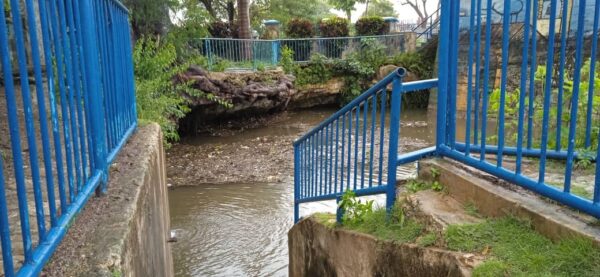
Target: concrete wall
(125, 232)
(316, 250)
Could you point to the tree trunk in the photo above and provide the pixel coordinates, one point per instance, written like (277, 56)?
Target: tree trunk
(349, 15)
(243, 9)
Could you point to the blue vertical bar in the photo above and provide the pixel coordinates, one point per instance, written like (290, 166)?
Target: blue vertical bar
(337, 135)
(477, 74)
(382, 133)
(348, 167)
(330, 179)
(470, 79)
(75, 99)
(342, 154)
(393, 143)
(486, 80)
(561, 74)
(326, 169)
(372, 144)
(575, 96)
(53, 114)
(548, 91)
(7, 258)
(356, 135)
(523, 90)
(453, 73)
(64, 103)
(41, 104)
(58, 42)
(296, 182)
(593, 57)
(443, 63)
(90, 45)
(501, 110)
(364, 142)
(532, 70)
(321, 167)
(11, 108)
(27, 107)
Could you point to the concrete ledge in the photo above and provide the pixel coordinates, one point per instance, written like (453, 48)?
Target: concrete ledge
(124, 233)
(495, 198)
(316, 250)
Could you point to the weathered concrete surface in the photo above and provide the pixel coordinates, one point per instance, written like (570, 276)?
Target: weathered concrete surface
(124, 233)
(316, 250)
(495, 198)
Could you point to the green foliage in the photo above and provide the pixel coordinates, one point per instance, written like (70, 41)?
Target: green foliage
(416, 185)
(345, 5)
(515, 249)
(150, 17)
(193, 25)
(370, 26)
(427, 240)
(285, 10)
(299, 28)
(395, 226)
(415, 63)
(219, 29)
(159, 98)
(381, 8)
(334, 27)
(316, 72)
(354, 210)
(287, 60)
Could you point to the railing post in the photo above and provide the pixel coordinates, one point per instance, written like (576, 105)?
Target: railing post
(396, 104)
(95, 94)
(443, 62)
(296, 183)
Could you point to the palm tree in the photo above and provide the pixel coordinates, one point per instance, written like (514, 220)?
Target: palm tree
(244, 25)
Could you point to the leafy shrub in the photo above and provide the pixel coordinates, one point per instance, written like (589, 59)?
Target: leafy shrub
(300, 28)
(354, 209)
(334, 27)
(415, 63)
(317, 71)
(370, 26)
(287, 60)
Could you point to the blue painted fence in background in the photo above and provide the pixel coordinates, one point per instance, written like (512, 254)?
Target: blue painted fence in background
(546, 106)
(251, 54)
(68, 88)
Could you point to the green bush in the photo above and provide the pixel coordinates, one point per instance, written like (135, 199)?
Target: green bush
(219, 29)
(299, 28)
(317, 71)
(287, 60)
(370, 26)
(334, 27)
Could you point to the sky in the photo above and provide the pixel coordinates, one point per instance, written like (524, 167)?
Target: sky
(405, 12)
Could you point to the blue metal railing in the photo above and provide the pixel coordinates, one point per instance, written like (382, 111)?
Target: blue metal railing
(543, 104)
(246, 53)
(76, 55)
(348, 150)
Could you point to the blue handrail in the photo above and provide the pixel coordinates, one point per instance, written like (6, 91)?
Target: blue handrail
(83, 75)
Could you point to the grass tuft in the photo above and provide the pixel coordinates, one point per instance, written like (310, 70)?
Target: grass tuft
(398, 228)
(517, 250)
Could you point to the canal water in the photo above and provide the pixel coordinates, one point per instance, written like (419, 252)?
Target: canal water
(240, 229)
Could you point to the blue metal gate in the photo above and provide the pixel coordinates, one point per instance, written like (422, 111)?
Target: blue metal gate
(522, 85)
(76, 56)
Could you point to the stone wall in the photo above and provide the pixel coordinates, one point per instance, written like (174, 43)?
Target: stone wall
(316, 250)
(126, 232)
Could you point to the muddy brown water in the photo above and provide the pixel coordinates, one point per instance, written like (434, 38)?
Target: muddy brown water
(240, 228)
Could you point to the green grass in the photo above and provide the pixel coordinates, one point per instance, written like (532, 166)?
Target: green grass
(398, 228)
(427, 240)
(515, 249)
(326, 219)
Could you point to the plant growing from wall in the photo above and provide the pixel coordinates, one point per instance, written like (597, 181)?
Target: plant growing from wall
(354, 209)
(159, 98)
(287, 60)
